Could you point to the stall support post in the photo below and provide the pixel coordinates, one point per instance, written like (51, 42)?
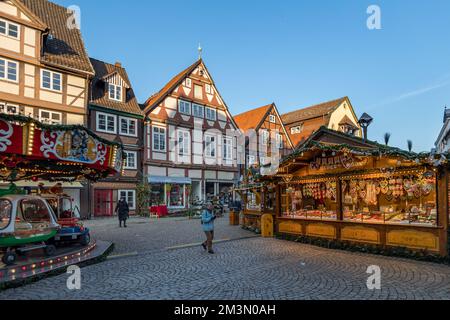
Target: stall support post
(339, 209)
(278, 201)
(443, 215)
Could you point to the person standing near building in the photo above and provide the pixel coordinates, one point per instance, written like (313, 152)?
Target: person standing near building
(123, 212)
(207, 220)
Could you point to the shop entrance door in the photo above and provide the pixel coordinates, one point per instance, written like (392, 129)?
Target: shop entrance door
(103, 203)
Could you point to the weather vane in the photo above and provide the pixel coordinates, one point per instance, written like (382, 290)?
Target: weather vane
(200, 51)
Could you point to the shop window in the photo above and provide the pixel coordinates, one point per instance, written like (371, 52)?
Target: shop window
(176, 195)
(157, 194)
(130, 198)
(315, 201)
(5, 213)
(405, 199)
(34, 210)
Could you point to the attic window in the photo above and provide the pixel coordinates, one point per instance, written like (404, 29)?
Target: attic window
(297, 129)
(115, 92)
(272, 118)
(188, 83)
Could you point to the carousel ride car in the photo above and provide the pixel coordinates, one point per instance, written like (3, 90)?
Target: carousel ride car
(27, 223)
(68, 217)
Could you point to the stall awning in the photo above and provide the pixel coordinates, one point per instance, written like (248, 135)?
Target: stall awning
(173, 180)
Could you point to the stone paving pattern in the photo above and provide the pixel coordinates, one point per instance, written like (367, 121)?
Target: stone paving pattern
(251, 268)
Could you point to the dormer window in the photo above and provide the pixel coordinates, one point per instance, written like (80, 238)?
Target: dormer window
(115, 92)
(297, 129)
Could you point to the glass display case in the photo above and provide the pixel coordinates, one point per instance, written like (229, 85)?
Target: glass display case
(316, 201)
(407, 199)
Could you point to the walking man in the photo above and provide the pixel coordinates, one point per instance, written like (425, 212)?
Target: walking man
(208, 218)
(123, 212)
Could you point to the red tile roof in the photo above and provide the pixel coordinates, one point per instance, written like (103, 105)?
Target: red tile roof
(65, 48)
(316, 111)
(251, 119)
(157, 98)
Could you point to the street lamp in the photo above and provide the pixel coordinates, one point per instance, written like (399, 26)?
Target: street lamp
(365, 122)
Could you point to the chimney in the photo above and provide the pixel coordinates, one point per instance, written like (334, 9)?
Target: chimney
(118, 64)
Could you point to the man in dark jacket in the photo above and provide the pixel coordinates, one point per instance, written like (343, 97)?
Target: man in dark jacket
(123, 212)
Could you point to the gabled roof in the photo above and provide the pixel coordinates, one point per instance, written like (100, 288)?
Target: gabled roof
(316, 111)
(252, 119)
(344, 141)
(99, 93)
(65, 48)
(158, 97)
(347, 121)
(36, 22)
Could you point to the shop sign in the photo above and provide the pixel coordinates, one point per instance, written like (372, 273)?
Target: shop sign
(290, 227)
(413, 239)
(360, 234)
(345, 161)
(321, 230)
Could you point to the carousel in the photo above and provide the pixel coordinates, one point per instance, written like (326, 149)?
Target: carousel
(344, 189)
(41, 231)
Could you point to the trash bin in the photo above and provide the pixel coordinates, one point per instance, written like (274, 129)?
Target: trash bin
(234, 217)
(267, 226)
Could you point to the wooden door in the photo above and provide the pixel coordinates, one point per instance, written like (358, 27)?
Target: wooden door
(103, 203)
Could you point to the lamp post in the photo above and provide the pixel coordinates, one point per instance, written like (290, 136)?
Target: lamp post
(365, 122)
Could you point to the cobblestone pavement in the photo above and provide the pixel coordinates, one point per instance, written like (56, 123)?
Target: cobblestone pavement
(145, 235)
(252, 268)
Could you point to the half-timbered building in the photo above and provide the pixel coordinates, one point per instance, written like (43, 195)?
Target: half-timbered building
(44, 68)
(190, 140)
(115, 115)
(337, 115)
(266, 138)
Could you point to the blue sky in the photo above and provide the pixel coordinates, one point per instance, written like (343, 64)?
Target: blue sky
(295, 53)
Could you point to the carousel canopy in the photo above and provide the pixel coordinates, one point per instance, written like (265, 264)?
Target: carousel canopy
(32, 150)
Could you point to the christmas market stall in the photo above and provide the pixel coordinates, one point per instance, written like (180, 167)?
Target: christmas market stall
(259, 197)
(344, 189)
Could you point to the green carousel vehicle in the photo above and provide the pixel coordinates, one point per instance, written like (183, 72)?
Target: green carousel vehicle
(27, 223)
